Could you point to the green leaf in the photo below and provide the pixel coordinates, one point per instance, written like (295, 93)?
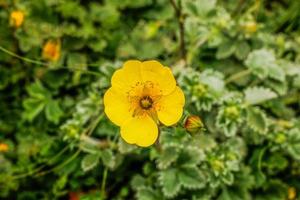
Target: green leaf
(294, 143)
(53, 111)
(147, 193)
(137, 182)
(205, 6)
(257, 120)
(108, 158)
(242, 50)
(191, 178)
(89, 162)
(33, 107)
(263, 64)
(167, 157)
(225, 50)
(37, 90)
(258, 95)
(169, 182)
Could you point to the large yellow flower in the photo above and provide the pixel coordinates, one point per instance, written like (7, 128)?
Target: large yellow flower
(141, 95)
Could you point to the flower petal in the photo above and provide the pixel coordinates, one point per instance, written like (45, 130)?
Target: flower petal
(171, 107)
(126, 77)
(140, 130)
(155, 72)
(116, 106)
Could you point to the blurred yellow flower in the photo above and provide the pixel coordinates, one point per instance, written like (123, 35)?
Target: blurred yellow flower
(16, 18)
(51, 50)
(3, 147)
(292, 193)
(250, 27)
(141, 95)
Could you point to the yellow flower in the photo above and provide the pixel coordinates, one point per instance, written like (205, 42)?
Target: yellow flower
(3, 147)
(143, 93)
(16, 18)
(292, 193)
(51, 50)
(250, 27)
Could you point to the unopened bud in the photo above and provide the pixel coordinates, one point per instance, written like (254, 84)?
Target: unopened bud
(193, 124)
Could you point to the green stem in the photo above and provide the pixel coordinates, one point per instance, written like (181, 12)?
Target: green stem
(48, 65)
(61, 165)
(41, 167)
(237, 76)
(103, 182)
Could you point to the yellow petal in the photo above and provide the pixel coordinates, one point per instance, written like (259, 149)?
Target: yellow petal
(155, 72)
(126, 77)
(141, 131)
(171, 107)
(116, 106)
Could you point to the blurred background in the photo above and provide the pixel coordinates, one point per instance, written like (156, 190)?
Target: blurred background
(236, 60)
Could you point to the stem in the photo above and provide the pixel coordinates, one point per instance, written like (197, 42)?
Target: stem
(41, 167)
(180, 18)
(28, 60)
(237, 76)
(61, 165)
(105, 172)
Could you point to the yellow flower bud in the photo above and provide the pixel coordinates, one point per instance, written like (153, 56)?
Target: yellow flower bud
(193, 124)
(292, 194)
(250, 27)
(16, 18)
(51, 50)
(3, 147)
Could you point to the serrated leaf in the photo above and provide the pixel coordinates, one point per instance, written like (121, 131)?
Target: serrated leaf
(53, 111)
(137, 182)
(108, 158)
(89, 162)
(191, 178)
(190, 157)
(257, 120)
(169, 182)
(147, 193)
(167, 157)
(294, 143)
(257, 95)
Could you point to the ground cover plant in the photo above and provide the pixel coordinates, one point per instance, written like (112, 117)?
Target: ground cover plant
(219, 85)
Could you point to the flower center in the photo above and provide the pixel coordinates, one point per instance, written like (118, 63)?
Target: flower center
(146, 102)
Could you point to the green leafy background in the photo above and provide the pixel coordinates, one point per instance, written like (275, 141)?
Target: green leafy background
(243, 81)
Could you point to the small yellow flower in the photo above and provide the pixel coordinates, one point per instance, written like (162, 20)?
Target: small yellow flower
(143, 93)
(193, 124)
(292, 194)
(16, 18)
(3, 147)
(250, 27)
(51, 50)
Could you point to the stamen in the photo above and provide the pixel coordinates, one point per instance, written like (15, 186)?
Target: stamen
(146, 102)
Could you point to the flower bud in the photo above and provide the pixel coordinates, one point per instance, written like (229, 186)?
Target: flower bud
(51, 50)
(16, 18)
(3, 147)
(193, 124)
